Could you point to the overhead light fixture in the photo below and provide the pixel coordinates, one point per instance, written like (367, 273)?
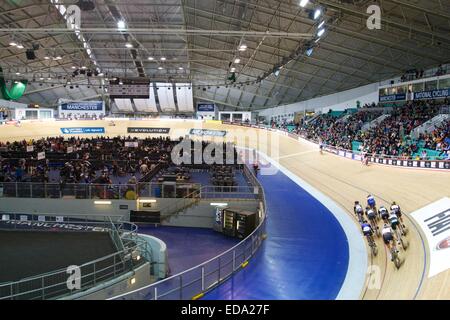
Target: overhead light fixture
(128, 45)
(13, 43)
(147, 200)
(151, 58)
(83, 67)
(219, 204)
(320, 32)
(121, 24)
(317, 13)
(242, 47)
(41, 78)
(160, 68)
(101, 74)
(121, 82)
(233, 69)
(102, 202)
(309, 51)
(321, 24)
(163, 59)
(132, 280)
(303, 3)
(18, 73)
(19, 46)
(237, 60)
(49, 78)
(47, 58)
(180, 68)
(73, 67)
(276, 71)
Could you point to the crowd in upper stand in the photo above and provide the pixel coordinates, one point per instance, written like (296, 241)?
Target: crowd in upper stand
(392, 136)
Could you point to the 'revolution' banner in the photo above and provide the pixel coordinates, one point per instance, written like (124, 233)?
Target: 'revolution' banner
(148, 130)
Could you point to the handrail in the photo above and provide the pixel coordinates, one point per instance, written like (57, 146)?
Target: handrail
(117, 226)
(260, 229)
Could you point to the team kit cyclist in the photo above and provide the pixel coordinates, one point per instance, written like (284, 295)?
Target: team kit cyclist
(391, 221)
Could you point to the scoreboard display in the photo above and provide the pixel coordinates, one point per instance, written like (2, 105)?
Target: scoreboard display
(129, 90)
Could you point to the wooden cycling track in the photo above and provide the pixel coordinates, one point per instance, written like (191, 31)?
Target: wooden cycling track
(341, 179)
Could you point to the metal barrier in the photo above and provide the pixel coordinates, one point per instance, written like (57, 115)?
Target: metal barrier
(193, 282)
(53, 285)
(86, 191)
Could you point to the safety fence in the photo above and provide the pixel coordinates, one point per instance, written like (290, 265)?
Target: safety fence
(131, 253)
(194, 282)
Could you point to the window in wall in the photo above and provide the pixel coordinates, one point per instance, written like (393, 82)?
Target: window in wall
(31, 114)
(431, 85)
(45, 114)
(444, 83)
(417, 87)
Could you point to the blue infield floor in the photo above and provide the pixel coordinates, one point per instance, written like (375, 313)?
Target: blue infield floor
(306, 253)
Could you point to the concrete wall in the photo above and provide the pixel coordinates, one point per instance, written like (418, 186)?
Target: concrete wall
(337, 101)
(203, 214)
(118, 286)
(66, 206)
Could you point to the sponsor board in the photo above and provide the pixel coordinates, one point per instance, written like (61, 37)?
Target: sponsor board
(393, 97)
(83, 106)
(148, 130)
(41, 155)
(434, 220)
(432, 94)
(206, 132)
(206, 107)
(30, 148)
(23, 222)
(88, 130)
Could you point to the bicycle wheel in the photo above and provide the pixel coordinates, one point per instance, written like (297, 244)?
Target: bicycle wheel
(405, 243)
(374, 249)
(397, 262)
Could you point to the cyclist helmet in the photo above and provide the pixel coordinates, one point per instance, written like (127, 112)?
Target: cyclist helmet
(386, 225)
(356, 202)
(393, 203)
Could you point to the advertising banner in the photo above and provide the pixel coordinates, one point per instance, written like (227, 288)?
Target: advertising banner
(434, 220)
(393, 97)
(206, 132)
(432, 94)
(148, 130)
(88, 130)
(206, 107)
(82, 106)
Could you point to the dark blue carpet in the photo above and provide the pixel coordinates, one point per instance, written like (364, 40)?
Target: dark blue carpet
(188, 247)
(304, 257)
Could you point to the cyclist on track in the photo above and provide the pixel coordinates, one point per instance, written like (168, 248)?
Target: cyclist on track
(393, 220)
(371, 214)
(367, 230)
(388, 238)
(383, 213)
(358, 210)
(371, 201)
(396, 208)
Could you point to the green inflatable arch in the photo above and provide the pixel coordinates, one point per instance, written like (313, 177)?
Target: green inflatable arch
(15, 92)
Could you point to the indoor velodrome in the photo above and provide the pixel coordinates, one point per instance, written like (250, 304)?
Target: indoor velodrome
(224, 150)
